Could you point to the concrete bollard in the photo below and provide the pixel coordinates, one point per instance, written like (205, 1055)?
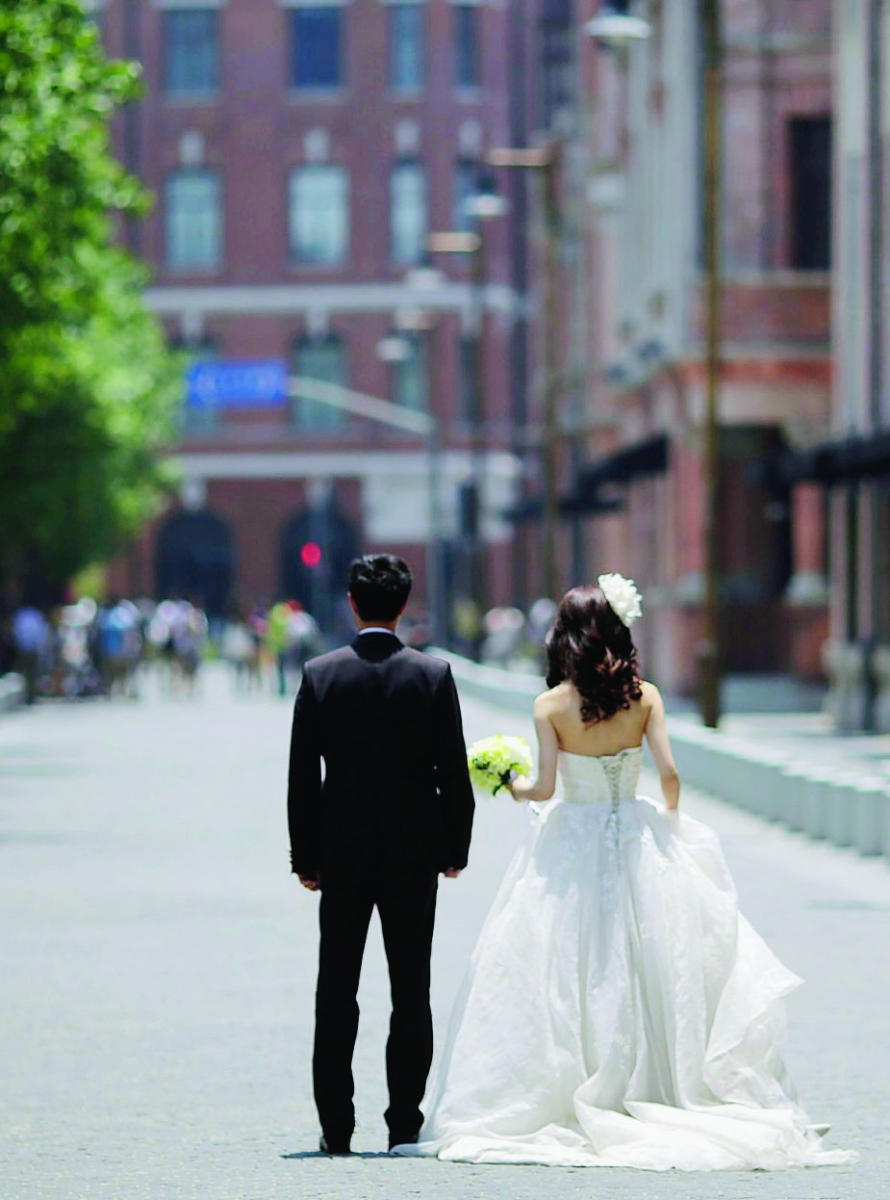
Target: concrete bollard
(765, 798)
(871, 797)
(841, 824)
(820, 781)
(793, 794)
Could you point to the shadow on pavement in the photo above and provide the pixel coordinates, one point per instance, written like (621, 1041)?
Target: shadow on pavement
(300, 1154)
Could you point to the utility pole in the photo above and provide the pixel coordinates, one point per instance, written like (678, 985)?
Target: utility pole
(709, 647)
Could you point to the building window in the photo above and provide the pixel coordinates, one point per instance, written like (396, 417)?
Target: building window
(317, 48)
(407, 47)
(410, 377)
(319, 215)
(191, 51)
(202, 348)
(810, 139)
(408, 215)
(466, 19)
(556, 83)
(194, 222)
(324, 359)
(465, 185)
(468, 357)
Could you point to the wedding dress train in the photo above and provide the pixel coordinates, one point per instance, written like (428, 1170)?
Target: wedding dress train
(618, 1010)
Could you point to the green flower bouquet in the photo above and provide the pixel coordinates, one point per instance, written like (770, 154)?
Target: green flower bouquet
(495, 761)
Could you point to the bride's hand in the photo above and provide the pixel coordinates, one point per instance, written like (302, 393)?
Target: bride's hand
(511, 786)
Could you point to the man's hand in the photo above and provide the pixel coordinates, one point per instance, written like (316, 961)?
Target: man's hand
(452, 872)
(311, 882)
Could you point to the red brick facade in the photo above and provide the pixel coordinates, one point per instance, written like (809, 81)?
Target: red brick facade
(258, 303)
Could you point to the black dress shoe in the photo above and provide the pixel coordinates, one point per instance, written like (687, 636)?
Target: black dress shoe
(397, 1139)
(333, 1147)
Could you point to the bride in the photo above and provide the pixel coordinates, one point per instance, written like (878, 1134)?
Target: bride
(618, 1010)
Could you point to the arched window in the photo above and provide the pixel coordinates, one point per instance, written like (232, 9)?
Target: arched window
(408, 212)
(318, 215)
(193, 220)
(195, 560)
(410, 375)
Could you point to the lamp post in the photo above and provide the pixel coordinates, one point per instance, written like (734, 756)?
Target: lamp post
(396, 349)
(421, 322)
(546, 161)
(483, 206)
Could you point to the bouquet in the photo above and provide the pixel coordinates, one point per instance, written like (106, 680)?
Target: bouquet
(494, 761)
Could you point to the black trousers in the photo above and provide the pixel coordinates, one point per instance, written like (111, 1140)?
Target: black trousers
(407, 908)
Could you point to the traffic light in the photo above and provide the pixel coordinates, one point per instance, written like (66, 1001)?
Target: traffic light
(310, 555)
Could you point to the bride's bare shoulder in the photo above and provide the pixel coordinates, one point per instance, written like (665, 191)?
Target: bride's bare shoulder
(651, 696)
(557, 700)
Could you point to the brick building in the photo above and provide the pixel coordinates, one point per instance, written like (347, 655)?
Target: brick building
(300, 152)
(638, 418)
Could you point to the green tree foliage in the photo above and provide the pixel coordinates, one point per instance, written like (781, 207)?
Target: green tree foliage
(88, 390)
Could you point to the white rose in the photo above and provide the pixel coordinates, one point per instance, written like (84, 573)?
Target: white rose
(623, 596)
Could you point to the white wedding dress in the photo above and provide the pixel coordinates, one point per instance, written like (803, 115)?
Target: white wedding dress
(618, 1010)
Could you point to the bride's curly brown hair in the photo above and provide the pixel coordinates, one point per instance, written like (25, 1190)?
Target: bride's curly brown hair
(591, 647)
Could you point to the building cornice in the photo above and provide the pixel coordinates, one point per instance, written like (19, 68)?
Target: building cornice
(300, 299)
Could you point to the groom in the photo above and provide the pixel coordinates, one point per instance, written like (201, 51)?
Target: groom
(394, 809)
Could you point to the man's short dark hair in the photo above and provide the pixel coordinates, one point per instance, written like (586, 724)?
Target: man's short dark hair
(380, 585)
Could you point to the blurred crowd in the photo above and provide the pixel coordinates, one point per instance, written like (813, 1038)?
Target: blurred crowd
(97, 649)
(91, 648)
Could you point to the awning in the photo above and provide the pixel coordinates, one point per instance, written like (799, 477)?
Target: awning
(837, 462)
(648, 457)
(531, 508)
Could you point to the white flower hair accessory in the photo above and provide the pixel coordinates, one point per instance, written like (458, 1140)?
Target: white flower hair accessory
(623, 597)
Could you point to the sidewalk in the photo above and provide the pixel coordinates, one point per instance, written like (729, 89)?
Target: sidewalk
(789, 767)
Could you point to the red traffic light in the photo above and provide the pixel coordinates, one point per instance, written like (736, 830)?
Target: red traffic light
(310, 555)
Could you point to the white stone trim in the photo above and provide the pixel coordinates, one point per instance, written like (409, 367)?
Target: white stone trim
(187, 3)
(278, 299)
(394, 484)
(328, 464)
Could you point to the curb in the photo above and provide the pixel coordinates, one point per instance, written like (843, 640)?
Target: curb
(12, 692)
(823, 802)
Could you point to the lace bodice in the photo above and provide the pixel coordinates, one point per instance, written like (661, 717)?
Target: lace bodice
(601, 778)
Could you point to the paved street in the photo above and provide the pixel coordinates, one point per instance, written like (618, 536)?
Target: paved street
(158, 964)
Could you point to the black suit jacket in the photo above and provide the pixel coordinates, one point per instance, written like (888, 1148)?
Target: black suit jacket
(396, 793)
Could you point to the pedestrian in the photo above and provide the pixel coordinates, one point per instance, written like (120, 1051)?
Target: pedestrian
(119, 646)
(188, 635)
(238, 648)
(277, 641)
(395, 810)
(31, 639)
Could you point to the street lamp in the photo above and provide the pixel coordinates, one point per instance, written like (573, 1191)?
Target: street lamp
(484, 205)
(424, 276)
(614, 26)
(547, 161)
(396, 349)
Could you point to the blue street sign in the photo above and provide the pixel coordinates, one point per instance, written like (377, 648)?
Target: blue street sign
(246, 383)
